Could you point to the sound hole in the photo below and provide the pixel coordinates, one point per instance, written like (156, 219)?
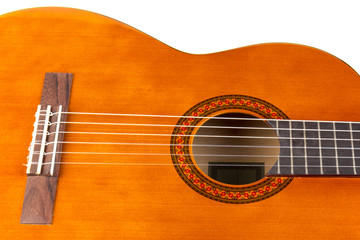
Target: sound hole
(231, 154)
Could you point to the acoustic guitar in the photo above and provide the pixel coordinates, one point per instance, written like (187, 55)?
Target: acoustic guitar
(107, 133)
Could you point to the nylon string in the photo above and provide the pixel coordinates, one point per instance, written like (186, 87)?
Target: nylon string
(201, 117)
(41, 122)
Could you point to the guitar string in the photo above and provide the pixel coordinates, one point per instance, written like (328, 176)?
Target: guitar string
(145, 134)
(192, 135)
(195, 126)
(207, 155)
(203, 135)
(196, 155)
(195, 145)
(207, 136)
(201, 117)
(203, 155)
(184, 164)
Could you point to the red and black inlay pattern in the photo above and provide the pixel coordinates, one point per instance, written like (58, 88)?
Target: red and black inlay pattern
(201, 183)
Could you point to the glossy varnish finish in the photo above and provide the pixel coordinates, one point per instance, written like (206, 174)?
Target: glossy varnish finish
(119, 69)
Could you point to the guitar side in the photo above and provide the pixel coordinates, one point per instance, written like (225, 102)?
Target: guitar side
(118, 69)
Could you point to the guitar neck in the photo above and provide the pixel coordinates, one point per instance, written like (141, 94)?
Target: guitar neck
(317, 148)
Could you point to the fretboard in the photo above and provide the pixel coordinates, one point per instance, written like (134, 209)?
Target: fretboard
(317, 148)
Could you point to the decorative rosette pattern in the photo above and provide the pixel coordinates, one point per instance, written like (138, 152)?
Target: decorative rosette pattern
(186, 167)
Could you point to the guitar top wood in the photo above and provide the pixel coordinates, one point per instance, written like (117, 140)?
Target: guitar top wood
(118, 69)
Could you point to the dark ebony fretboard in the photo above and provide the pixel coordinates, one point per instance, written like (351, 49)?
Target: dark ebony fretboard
(311, 148)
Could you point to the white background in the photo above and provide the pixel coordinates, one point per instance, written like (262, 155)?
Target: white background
(204, 26)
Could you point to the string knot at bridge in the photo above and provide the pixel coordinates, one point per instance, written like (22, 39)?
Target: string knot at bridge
(40, 138)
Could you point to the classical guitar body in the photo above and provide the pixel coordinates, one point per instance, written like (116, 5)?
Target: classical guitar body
(148, 194)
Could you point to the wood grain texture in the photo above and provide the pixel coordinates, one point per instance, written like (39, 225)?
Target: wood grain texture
(39, 199)
(119, 69)
(56, 89)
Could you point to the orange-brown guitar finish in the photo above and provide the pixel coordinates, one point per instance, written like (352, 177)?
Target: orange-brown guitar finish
(118, 69)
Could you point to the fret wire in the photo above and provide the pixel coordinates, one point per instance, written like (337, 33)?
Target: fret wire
(291, 149)
(277, 133)
(305, 151)
(352, 147)
(320, 150)
(336, 152)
